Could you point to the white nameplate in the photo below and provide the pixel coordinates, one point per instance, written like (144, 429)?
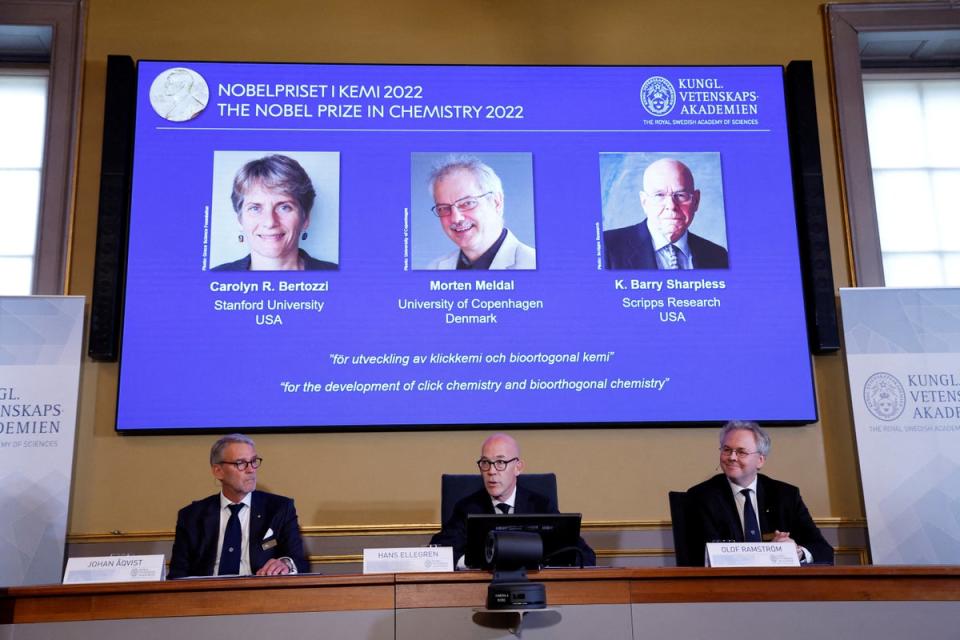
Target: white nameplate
(114, 569)
(752, 554)
(408, 560)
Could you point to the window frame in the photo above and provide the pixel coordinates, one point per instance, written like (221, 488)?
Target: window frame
(845, 23)
(913, 75)
(29, 70)
(50, 267)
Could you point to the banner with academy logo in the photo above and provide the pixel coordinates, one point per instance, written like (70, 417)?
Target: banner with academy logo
(903, 363)
(40, 342)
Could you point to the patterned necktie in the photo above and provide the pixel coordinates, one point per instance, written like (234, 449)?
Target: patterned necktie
(751, 528)
(504, 507)
(677, 256)
(230, 554)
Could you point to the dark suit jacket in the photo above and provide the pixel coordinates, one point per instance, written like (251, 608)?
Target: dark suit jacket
(309, 264)
(198, 527)
(713, 515)
(454, 531)
(631, 248)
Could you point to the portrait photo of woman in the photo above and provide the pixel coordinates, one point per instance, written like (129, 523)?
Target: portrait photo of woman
(275, 206)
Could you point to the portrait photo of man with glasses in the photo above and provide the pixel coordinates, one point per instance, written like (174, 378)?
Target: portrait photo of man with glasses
(467, 201)
(239, 531)
(649, 202)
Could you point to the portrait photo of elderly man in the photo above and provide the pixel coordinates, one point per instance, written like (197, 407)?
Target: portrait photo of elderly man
(650, 201)
(471, 215)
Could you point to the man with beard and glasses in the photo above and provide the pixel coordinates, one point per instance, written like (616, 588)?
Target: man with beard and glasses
(468, 201)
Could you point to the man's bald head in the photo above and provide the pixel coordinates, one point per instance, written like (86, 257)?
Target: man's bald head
(500, 484)
(666, 169)
(503, 440)
(669, 197)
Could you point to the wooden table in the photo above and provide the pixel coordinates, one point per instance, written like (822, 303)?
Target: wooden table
(804, 603)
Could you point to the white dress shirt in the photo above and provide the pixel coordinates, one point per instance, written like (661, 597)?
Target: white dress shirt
(740, 500)
(509, 500)
(244, 516)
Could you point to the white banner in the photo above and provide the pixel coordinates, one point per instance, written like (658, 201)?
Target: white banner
(40, 342)
(903, 363)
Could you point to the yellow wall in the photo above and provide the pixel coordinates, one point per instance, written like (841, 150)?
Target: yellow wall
(136, 484)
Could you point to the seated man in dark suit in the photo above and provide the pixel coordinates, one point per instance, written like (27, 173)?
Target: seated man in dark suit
(500, 464)
(662, 241)
(743, 505)
(239, 531)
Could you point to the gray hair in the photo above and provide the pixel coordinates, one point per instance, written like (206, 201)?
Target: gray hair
(759, 435)
(485, 176)
(275, 172)
(216, 451)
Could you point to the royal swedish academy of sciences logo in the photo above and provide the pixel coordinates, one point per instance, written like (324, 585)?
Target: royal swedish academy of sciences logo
(884, 396)
(658, 96)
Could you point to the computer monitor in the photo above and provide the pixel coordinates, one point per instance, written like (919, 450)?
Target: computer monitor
(557, 530)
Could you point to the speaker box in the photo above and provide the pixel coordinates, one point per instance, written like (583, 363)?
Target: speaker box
(113, 214)
(816, 266)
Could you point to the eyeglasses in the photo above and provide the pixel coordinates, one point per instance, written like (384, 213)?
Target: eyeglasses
(680, 197)
(727, 452)
(499, 465)
(469, 203)
(241, 465)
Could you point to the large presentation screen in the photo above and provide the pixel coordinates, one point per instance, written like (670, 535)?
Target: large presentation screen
(361, 246)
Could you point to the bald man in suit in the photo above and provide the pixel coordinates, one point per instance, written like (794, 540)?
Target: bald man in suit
(500, 464)
(662, 241)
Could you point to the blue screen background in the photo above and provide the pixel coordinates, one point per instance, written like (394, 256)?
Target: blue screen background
(186, 365)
